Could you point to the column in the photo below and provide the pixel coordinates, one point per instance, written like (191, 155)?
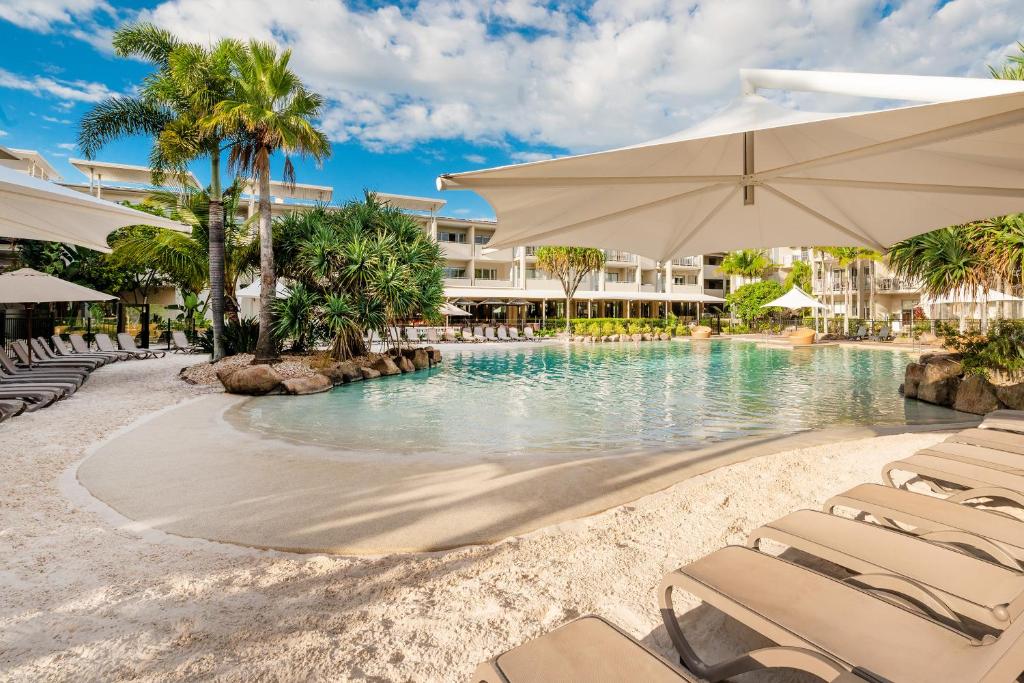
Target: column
(638, 275)
(433, 227)
(668, 277)
(472, 255)
(522, 267)
(602, 277)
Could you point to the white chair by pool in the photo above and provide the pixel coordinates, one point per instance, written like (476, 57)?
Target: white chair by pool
(528, 333)
(489, 334)
(478, 332)
(513, 334)
(449, 335)
(412, 334)
(503, 333)
(430, 334)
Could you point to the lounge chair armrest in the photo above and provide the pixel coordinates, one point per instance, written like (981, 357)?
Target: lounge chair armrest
(779, 657)
(908, 592)
(993, 549)
(994, 492)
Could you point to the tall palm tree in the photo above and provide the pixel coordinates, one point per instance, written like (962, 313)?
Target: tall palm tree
(947, 260)
(747, 263)
(171, 106)
(269, 110)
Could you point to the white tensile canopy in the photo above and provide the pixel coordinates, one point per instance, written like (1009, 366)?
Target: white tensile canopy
(28, 286)
(35, 209)
(795, 299)
(963, 296)
(760, 175)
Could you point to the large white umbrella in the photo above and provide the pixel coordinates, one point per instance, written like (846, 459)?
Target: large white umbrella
(762, 175)
(36, 209)
(966, 296)
(30, 287)
(452, 310)
(795, 299)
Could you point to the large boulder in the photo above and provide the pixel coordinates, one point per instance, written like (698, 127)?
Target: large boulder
(940, 392)
(251, 380)
(1011, 395)
(342, 373)
(369, 373)
(302, 386)
(637, 337)
(940, 367)
(912, 378)
(976, 395)
(405, 365)
(435, 356)
(386, 366)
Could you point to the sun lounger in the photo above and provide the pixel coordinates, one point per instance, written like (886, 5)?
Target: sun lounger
(829, 627)
(11, 408)
(528, 332)
(34, 398)
(79, 345)
(42, 351)
(489, 334)
(431, 335)
(982, 591)
(62, 351)
(1004, 420)
(513, 334)
(449, 335)
(412, 335)
(73, 375)
(478, 333)
(127, 342)
(861, 335)
(883, 335)
(467, 335)
(181, 343)
(990, 438)
(996, 537)
(21, 351)
(503, 333)
(957, 480)
(588, 649)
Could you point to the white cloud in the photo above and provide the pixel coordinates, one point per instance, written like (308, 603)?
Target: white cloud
(54, 119)
(3, 133)
(574, 76)
(70, 146)
(69, 91)
(44, 15)
(530, 156)
(475, 158)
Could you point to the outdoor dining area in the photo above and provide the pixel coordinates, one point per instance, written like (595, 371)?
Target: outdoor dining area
(36, 372)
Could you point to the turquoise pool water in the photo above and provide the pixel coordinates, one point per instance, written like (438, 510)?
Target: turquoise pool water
(603, 398)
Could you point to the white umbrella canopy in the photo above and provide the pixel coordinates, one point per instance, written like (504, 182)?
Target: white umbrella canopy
(794, 299)
(965, 296)
(761, 175)
(452, 310)
(252, 291)
(28, 286)
(35, 209)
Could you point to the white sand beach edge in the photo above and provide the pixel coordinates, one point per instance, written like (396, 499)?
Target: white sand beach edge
(86, 599)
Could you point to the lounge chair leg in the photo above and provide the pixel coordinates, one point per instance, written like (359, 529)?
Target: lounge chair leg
(990, 492)
(779, 657)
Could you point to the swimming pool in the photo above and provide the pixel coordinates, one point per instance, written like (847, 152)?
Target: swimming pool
(605, 398)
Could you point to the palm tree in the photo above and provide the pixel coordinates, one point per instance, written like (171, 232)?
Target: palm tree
(844, 258)
(948, 260)
(183, 257)
(747, 263)
(269, 110)
(570, 265)
(171, 107)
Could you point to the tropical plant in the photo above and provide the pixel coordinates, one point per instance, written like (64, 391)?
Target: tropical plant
(240, 336)
(799, 276)
(363, 267)
(1002, 349)
(269, 110)
(946, 261)
(747, 302)
(747, 263)
(173, 106)
(569, 265)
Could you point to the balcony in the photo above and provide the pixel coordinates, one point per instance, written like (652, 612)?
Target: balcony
(492, 284)
(620, 287)
(485, 254)
(688, 262)
(457, 251)
(543, 284)
(619, 256)
(458, 282)
(896, 284)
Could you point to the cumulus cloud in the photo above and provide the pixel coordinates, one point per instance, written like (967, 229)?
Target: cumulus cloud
(70, 146)
(44, 15)
(475, 158)
(530, 156)
(66, 90)
(576, 76)
(3, 133)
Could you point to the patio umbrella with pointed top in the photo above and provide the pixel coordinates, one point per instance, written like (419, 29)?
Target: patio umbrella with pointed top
(762, 175)
(30, 287)
(36, 209)
(794, 299)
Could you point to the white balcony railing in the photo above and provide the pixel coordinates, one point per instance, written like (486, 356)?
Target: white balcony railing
(688, 262)
(896, 284)
(457, 282)
(491, 284)
(620, 256)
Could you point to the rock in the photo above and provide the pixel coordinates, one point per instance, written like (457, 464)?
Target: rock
(435, 356)
(588, 339)
(342, 373)
(938, 368)
(420, 359)
(941, 392)
(385, 366)
(405, 365)
(664, 336)
(646, 336)
(613, 337)
(302, 386)
(1012, 395)
(251, 380)
(369, 373)
(637, 337)
(912, 378)
(976, 395)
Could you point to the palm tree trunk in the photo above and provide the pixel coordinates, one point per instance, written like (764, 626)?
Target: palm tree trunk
(216, 247)
(266, 349)
(568, 314)
(847, 300)
(871, 289)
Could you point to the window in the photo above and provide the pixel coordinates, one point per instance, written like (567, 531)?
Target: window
(536, 274)
(714, 284)
(685, 279)
(482, 239)
(611, 277)
(713, 261)
(458, 237)
(486, 274)
(454, 272)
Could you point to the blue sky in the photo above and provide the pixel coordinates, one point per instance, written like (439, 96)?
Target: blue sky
(415, 89)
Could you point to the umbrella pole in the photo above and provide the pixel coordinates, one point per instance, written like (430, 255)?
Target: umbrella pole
(28, 333)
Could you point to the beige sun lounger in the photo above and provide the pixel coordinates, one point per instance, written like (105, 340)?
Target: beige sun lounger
(528, 332)
(992, 536)
(587, 650)
(918, 570)
(959, 481)
(181, 343)
(990, 438)
(831, 628)
(1006, 420)
(127, 343)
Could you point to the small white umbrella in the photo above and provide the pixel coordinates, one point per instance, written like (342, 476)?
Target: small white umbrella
(29, 287)
(252, 291)
(795, 299)
(35, 209)
(762, 175)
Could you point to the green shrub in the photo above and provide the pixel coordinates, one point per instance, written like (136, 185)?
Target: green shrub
(1002, 349)
(239, 337)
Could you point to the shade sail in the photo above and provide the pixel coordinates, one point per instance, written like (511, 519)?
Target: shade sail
(760, 175)
(28, 286)
(451, 310)
(252, 291)
(964, 296)
(35, 209)
(794, 299)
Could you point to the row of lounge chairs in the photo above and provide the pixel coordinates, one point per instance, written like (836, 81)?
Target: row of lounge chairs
(884, 334)
(433, 335)
(884, 584)
(53, 371)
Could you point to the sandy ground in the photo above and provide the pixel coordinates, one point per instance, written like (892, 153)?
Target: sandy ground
(83, 599)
